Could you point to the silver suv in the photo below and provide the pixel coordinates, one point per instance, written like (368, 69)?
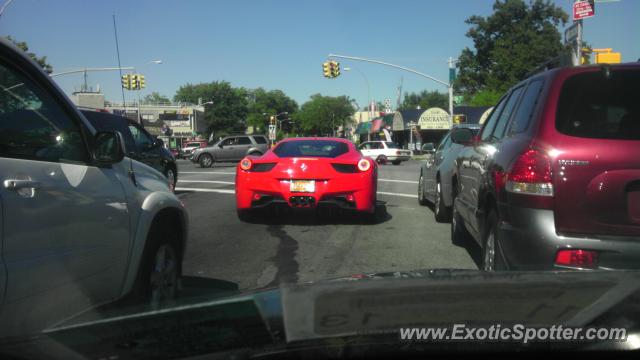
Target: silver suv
(80, 225)
(231, 149)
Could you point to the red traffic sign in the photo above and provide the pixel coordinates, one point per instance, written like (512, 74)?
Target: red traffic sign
(583, 9)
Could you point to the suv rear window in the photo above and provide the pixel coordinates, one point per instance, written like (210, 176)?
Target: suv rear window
(592, 105)
(315, 148)
(260, 139)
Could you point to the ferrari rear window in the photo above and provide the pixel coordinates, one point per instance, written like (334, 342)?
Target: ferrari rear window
(315, 148)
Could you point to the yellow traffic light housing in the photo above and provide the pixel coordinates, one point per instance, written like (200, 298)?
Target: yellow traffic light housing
(141, 82)
(126, 81)
(326, 69)
(334, 69)
(607, 56)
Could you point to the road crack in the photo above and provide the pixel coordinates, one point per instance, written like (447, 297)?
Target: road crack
(285, 258)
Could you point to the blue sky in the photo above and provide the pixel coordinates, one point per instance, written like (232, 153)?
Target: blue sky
(272, 44)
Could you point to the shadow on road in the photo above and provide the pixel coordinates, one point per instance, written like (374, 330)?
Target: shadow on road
(473, 249)
(320, 217)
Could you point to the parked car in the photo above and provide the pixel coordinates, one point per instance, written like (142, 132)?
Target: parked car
(553, 179)
(231, 149)
(385, 151)
(139, 144)
(81, 224)
(318, 171)
(434, 183)
(190, 146)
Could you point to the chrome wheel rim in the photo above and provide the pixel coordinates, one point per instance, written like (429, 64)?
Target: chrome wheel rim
(171, 176)
(206, 160)
(490, 252)
(164, 276)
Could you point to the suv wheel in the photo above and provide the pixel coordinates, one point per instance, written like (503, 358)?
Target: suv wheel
(396, 162)
(422, 200)
(205, 160)
(441, 212)
(160, 268)
(491, 259)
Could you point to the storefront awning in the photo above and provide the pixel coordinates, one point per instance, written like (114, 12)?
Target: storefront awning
(363, 128)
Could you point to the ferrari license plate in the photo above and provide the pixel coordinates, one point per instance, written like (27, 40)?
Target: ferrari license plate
(302, 186)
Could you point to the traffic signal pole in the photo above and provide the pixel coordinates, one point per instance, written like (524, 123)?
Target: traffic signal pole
(449, 85)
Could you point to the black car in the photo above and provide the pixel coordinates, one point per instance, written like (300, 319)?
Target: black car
(139, 144)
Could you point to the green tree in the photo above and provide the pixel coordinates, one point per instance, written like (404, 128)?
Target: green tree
(229, 110)
(42, 61)
(485, 98)
(425, 99)
(322, 114)
(508, 44)
(156, 97)
(267, 102)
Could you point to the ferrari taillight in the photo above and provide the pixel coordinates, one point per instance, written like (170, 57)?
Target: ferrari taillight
(245, 164)
(364, 165)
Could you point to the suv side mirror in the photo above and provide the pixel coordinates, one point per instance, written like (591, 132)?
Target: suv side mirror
(108, 147)
(158, 143)
(220, 145)
(428, 148)
(462, 136)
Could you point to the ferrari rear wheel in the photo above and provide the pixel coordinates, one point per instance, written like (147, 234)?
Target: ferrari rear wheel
(245, 215)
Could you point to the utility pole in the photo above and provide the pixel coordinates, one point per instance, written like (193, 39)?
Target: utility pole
(451, 79)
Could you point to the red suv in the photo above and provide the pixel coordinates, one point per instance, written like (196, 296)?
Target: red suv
(553, 179)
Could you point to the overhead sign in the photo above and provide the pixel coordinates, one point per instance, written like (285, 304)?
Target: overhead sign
(434, 119)
(583, 9)
(571, 34)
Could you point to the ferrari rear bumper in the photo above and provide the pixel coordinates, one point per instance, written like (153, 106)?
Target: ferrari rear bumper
(348, 191)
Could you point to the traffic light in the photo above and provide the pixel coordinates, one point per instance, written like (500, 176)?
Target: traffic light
(134, 82)
(336, 69)
(141, 82)
(326, 69)
(126, 82)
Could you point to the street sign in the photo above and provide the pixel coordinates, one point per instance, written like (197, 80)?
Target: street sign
(458, 99)
(583, 9)
(452, 75)
(571, 34)
(272, 132)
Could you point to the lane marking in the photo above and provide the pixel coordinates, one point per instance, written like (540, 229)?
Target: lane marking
(221, 191)
(398, 194)
(399, 181)
(206, 172)
(229, 191)
(207, 182)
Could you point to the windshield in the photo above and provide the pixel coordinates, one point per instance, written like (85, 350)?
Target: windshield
(186, 178)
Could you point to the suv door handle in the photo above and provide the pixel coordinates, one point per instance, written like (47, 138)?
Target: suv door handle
(15, 184)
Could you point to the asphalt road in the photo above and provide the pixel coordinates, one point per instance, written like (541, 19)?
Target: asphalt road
(305, 247)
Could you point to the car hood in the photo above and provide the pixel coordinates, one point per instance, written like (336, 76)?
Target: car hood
(355, 307)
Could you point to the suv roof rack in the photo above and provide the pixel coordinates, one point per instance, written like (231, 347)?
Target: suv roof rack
(560, 61)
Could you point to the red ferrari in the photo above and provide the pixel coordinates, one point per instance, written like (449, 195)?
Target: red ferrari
(307, 173)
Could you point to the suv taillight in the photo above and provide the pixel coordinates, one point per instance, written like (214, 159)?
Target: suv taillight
(531, 175)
